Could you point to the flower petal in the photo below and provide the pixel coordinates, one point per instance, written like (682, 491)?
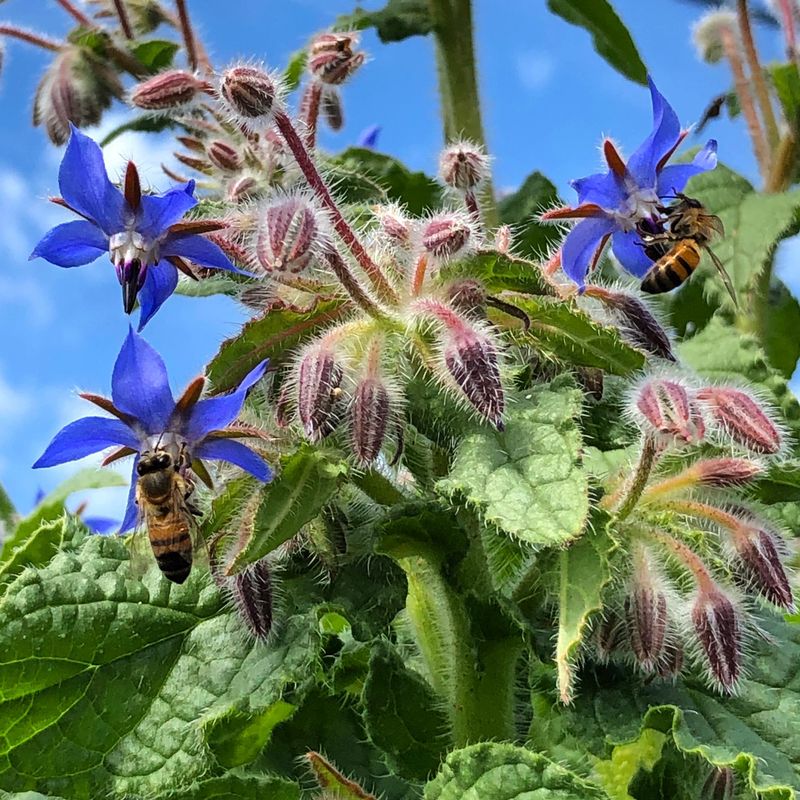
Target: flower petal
(629, 250)
(603, 188)
(100, 525)
(215, 413)
(580, 245)
(673, 178)
(666, 131)
(140, 385)
(235, 453)
(84, 184)
(72, 244)
(198, 249)
(83, 438)
(159, 211)
(160, 283)
(131, 509)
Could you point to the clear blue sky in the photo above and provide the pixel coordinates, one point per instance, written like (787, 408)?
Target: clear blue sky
(547, 100)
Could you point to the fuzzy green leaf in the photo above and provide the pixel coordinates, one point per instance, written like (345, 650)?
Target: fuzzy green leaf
(396, 21)
(8, 514)
(521, 210)
(403, 716)
(609, 35)
(293, 73)
(273, 335)
(492, 771)
(242, 787)
(155, 55)
(305, 484)
(561, 330)
(780, 340)
(499, 273)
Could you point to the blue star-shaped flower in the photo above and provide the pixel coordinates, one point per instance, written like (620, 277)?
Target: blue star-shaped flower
(143, 234)
(147, 415)
(613, 203)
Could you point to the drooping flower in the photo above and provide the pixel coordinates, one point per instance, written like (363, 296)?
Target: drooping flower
(611, 204)
(146, 415)
(144, 234)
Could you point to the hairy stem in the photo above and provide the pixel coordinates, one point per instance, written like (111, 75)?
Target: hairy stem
(458, 83)
(76, 14)
(124, 19)
(641, 475)
(687, 556)
(30, 37)
(195, 54)
(347, 279)
(309, 112)
(323, 194)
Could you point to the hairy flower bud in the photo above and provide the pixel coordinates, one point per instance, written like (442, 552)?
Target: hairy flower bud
(709, 31)
(743, 418)
(725, 472)
(718, 629)
(394, 224)
(468, 296)
(224, 156)
(671, 663)
(666, 406)
(250, 93)
(331, 107)
(370, 414)
(253, 595)
(463, 166)
(646, 622)
(331, 58)
(607, 635)
(243, 188)
(719, 785)
(290, 235)
(762, 567)
(167, 91)
(318, 379)
(447, 235)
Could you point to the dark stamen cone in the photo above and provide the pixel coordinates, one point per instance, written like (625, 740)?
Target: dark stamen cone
(763, 569)
(371, 411)
(720, 785)
(719, 632)
(318, 377)
(742, 418)
(252, 592)
(646, 622)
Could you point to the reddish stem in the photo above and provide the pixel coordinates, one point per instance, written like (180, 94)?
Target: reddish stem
(30, 37)
(347, 279)
(76, 13)
(194, 52)
(788, 28)
(124, 19)
(309, 112)
(419, 274)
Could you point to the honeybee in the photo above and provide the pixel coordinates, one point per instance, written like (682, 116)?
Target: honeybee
(163, 489)
(677, 250)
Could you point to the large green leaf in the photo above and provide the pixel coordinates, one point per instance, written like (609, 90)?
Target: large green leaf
(273, 335)
(521, 210)
(103, 676)
(8, 514)
(609, 35)
(307, 481)
(561, 330)
(403, 716)
(499, 273)
(491, 771)
(156, 55)
(396, 21)
(527, 480)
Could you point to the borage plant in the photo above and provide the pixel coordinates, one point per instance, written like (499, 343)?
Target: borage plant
(523, 538)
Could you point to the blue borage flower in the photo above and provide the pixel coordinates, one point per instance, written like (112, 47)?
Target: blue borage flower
(611, 204)
(146, 413)
(143, 233)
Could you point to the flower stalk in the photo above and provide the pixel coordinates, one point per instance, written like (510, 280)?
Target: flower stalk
(194, 52)
(124, 19)
(76, 13)
(36, 39)
(633, 492)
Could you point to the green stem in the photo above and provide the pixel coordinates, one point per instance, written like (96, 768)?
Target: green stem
(458, 83)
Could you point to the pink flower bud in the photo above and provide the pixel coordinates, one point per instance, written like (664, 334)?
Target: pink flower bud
(467, 296)
(718, 629)
(725, 472)
(318, 379)
(762, 567)
(250, 93)
(720, 785)
(224, 156)
(331, 106)
(331, 58)
(463, 166)
(447, 236)
(608, 635)
(742, 418)
(394, 224)
(289, 236)
(253, 595)
(168, 90)
(370, 413)
(242, 188)
(666, 407)
(646, 621)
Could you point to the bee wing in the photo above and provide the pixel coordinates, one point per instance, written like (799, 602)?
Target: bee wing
(182, 506)
(723, 273)
(715, 223)
(139, 552)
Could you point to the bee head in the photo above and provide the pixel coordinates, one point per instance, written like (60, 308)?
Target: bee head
(154, 461)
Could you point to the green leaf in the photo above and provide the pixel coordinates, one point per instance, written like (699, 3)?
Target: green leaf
(609, 35)
(492, 771)
(155, 55)
(561, 330)
(363, 175)
(207, 287)
(396, 21)
(499, 273)
(521, 210)
(293, 73)
(273, 335)
(527, 480)
(335, 784)
(143, 124)
(104, 676)
(786, 80)
(8, 514)
(584, 572)
(307, 481)
(242, 787)
(780, 340)
(402, 715)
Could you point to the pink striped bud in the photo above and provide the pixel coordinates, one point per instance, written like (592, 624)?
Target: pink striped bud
(331, 58)
(370, 414)
(761, 565)
(224, 156)
(725, 472)
(718, 629)
(608, 635)
(719, 785)
(249, 93)
(447, 236)
(646, 621)
(242, 188)
(742, 418)
(331, 107)
(290, 236)
(666, 407)
(467, 296)
(394, 224)
(463, 166)
(168, 90)
(318, 379)
(253, 595)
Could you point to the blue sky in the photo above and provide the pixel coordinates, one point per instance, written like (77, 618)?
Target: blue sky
(547, 100)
